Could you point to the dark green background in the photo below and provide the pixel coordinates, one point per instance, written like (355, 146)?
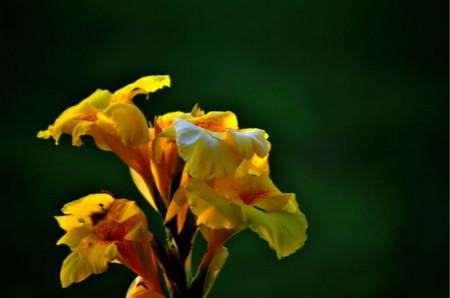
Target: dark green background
(354, 95)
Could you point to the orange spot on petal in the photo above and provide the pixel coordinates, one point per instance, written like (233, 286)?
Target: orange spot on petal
(252, 196)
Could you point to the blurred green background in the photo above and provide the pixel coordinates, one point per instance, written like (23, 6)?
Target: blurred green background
(353, 94)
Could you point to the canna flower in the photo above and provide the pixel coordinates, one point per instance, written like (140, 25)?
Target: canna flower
(115, 124)
(235, 203)
(101, 229)
(212, 145)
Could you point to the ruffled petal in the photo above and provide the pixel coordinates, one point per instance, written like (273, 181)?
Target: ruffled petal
(285, 232)
(74, 237)
(207, 154)
(90, 257)
(250, 142)
(144, 85)
(85, 111)
(254, 166)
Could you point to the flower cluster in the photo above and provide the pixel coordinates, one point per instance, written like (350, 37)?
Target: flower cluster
(198, 170)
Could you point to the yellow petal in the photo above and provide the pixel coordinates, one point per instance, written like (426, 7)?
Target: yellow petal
(274, 215)
(143, 187)
(207, 154)
(216, 121)
(212, 210)
(82, 128)
(144, 85)
(98, 255)
(127, 121)
(69, 222)
(73, 270)
(85, 111)
(167, 120)
(94, 203)
(176, 204)
(250, 141)
(74, 237)
(254, 166)
(255, 190)
(285, 232)
(90, 257)
(214, 268)
(128, 210)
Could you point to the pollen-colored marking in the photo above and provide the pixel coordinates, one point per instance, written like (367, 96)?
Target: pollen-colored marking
(252, 196)
(210, 124)
(105, 230)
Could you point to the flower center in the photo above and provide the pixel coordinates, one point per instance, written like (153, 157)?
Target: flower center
(105, 223)
(106, 229)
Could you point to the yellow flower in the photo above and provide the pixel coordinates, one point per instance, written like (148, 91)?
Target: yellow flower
(235, 203)
(212, 145)
(115, 124)
(101, 229)
(104, 114)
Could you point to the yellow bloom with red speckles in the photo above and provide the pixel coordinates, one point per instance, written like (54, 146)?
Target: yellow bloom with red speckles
(101, 229)
(235, 203)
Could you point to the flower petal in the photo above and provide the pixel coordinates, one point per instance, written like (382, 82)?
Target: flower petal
(85, 110)
(143, 187)
(73, 237)
(212, 210)
(73, 270)
(216, 121)
(90, 257)
(98, 256)
(127, 121)
(144, 85)
(254, 166)
(217, 262)
(207, 154)
(94, 203)
(250, 141)
(285, 232)
(69, 222)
